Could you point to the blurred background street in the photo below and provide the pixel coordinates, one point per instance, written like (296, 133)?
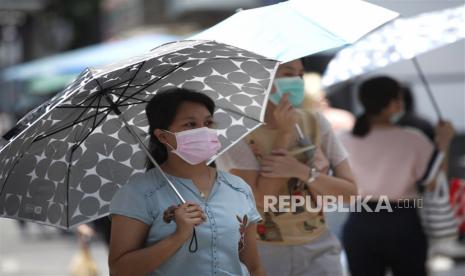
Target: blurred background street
(42, 250)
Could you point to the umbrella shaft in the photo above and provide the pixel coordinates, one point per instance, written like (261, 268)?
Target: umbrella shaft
(143, 147)
(427, 87)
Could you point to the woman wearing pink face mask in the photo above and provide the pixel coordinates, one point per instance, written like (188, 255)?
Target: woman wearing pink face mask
(151, 233)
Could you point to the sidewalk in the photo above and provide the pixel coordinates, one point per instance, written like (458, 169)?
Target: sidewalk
(41, 250)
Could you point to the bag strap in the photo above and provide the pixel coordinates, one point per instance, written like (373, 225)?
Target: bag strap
(310, 126)
(442, 186)
(432, 170)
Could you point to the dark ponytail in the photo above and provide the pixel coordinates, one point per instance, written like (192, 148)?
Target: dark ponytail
(362, 125)
(161, 111)
(375, 95)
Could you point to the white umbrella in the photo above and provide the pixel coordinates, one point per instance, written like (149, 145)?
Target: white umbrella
(298, 28)
(401, 39)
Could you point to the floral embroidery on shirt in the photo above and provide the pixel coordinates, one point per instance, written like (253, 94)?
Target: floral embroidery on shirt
(168, 214)
(242, 228)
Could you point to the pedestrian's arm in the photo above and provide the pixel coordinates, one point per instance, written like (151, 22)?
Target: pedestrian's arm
(342, 183)
(249, 255)
(282, 164)
(128, 256)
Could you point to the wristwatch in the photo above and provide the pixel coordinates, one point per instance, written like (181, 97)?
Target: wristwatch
(313, 174)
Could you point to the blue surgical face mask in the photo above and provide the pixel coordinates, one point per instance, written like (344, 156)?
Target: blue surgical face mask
(294, 86)
(397, 116)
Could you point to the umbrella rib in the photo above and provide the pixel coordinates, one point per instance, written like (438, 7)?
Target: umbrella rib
(130, 81)
(94, 106)
(77, 106)
(38, 138)
(96, 112)
(130, 86)
(81, 105)
(11, 169)
(119, 83)
(86, 107)
(118, 103)
(106, 89)
(77, 121)
(159, 78)
(75, 146)
(139, 102)
(94, 127)
(130, 97)
(73, 149)
(121, 95)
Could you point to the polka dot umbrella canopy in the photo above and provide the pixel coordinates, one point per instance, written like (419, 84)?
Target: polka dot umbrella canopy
(65, 160)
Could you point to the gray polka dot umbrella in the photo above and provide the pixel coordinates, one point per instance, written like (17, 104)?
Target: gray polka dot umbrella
(65, 160)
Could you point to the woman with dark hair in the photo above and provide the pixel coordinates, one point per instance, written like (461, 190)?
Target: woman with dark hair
(388, 161)
(151, 234)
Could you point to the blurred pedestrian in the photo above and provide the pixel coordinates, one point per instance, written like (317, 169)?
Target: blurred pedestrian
(7, 121)
(101, 227)
(150, 233)
(273, 163)
(388, 161)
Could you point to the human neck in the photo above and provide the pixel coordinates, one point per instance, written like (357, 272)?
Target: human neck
(175, 166)
(381, 121)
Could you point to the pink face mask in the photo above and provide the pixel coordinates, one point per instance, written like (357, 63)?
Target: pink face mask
(196, 145)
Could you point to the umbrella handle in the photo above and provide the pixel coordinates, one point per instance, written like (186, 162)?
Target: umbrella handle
(427, 87)
(143, 147)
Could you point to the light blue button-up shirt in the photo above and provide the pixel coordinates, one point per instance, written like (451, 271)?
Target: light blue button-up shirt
(147, 196)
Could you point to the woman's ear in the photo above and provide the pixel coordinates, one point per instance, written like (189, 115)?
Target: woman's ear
(161, 135)
(398, 106)
(392, 108)
(165, 138)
